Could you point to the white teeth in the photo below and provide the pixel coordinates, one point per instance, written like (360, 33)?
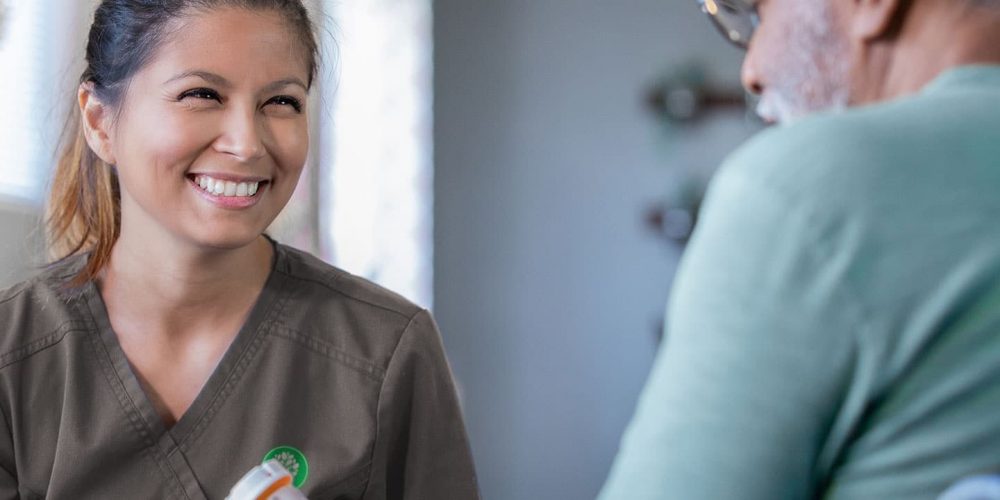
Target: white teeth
(226, 188)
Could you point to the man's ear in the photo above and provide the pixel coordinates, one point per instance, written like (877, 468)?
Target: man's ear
(873, 19)
(96, 118)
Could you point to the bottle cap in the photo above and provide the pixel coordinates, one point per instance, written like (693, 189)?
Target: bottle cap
(266, 481)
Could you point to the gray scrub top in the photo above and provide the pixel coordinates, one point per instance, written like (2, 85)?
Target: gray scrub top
(346, 380)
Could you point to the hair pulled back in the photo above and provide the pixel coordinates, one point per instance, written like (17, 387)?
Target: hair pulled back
(83, 214)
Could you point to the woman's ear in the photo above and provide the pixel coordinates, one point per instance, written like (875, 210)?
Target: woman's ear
(96, 122)
(873, 19)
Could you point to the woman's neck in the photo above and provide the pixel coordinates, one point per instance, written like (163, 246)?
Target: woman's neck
(175, 288)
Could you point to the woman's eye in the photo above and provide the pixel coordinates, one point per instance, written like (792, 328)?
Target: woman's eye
(207, 94)
(284, 100)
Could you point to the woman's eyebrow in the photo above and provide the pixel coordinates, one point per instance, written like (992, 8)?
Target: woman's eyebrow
(221, 81)
(208, 76)
(271, 87)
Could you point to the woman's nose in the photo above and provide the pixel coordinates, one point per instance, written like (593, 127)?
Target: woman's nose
(241, 136)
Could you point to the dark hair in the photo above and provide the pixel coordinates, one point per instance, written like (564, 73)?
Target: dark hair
(84, 206)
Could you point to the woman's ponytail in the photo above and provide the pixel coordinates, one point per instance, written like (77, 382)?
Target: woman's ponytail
(84, 207)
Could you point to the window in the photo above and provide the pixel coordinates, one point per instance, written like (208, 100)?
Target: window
(37, 79)
(377, 195)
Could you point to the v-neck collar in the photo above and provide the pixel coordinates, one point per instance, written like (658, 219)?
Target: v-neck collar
(219, 384)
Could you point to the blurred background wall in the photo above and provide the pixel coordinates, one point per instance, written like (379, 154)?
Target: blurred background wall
(549, 289)
(548, 284)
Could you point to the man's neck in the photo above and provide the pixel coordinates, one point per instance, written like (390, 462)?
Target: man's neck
(936, 37)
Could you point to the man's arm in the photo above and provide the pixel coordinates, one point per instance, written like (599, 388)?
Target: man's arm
(756, 359)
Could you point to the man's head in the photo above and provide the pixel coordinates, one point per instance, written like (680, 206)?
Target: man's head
(796, 60)
(812, 55)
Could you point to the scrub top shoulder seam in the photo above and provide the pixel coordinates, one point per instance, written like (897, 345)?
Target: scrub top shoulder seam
(26, 351)
(299, 266)
(330, 351)
(333, 277)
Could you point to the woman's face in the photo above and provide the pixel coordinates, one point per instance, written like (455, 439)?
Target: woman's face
(212, 133)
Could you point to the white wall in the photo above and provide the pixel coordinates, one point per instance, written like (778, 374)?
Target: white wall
(548, 290)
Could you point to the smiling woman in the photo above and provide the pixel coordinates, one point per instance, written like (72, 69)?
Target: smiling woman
(173, 344)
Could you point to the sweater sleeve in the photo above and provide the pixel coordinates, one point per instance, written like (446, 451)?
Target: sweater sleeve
(756, 358)
(421, 447)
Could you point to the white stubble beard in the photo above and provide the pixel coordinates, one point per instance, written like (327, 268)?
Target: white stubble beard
(814, 72)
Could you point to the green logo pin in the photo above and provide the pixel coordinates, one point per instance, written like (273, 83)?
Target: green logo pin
(293, 460)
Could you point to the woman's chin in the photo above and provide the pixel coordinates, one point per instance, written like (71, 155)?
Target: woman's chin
(227, 240)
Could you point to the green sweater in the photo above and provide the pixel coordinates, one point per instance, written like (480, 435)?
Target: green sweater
(834, 330)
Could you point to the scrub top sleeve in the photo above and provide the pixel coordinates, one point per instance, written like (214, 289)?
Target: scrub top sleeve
(421, 448)
(8, 467)
(756, 357)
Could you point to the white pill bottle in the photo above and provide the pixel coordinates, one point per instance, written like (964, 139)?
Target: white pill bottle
(268, 481)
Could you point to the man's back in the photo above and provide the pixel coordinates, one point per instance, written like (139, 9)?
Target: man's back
(835, 326)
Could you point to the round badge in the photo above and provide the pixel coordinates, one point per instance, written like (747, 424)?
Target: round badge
(293, 460)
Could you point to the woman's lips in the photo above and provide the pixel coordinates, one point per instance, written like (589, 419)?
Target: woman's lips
(228, 193)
